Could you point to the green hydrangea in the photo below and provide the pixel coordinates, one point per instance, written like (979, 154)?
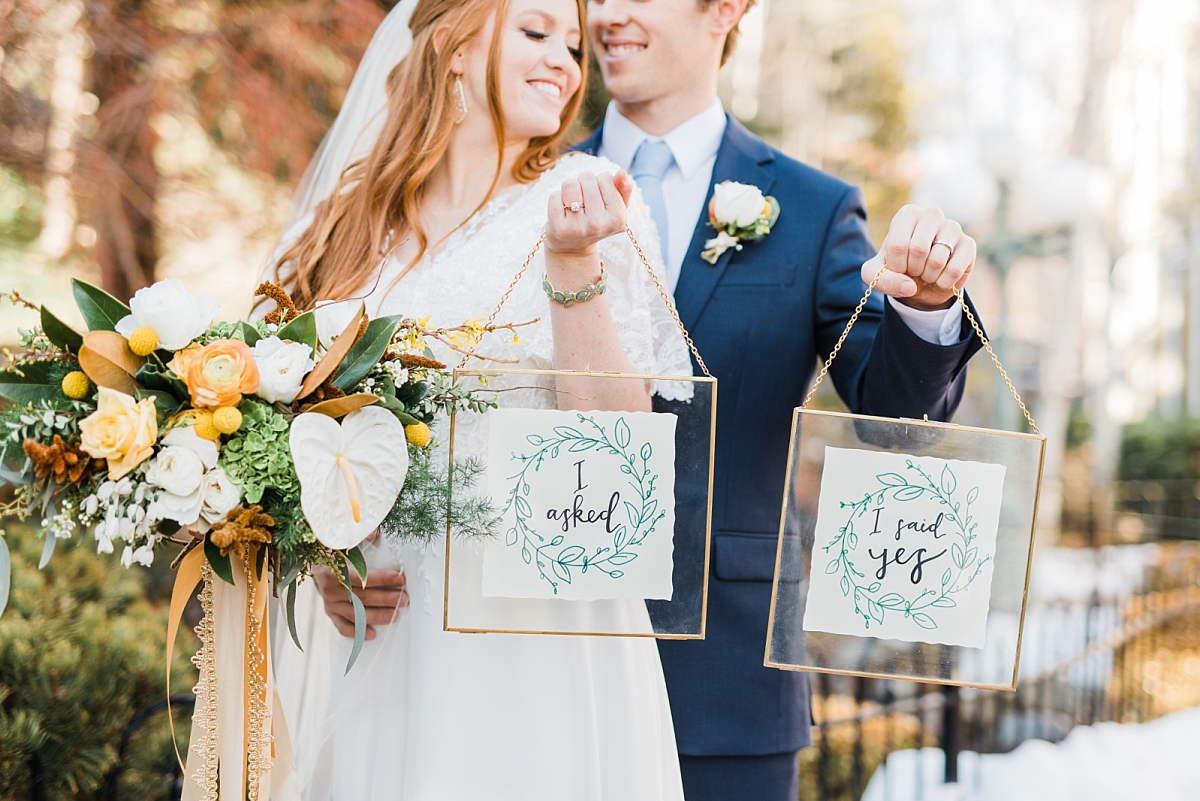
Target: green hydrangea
(258, 458)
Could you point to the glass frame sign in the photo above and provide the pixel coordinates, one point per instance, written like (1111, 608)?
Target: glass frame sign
(602, 516)
(905, 548)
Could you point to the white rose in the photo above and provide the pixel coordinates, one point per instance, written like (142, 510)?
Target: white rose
(740, 204)
(332, 318)
(282, 367)
(176, 317)
(220, 496)
(179, 469)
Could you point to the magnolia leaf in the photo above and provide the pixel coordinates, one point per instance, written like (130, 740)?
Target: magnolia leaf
(164, 401)
(249, 334)
(101, 311)
(29, 383)
(153, 377)
(105, 373)
(58, 332)
(219, 561)
(366, 353)
(5, 574)
(115, 348)
(333, 357)
(302, 329)
(350, 473)
(340, 407)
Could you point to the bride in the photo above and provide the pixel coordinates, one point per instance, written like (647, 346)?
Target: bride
(438, 178)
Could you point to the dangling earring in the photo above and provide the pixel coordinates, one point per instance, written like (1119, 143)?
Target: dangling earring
(460, 101)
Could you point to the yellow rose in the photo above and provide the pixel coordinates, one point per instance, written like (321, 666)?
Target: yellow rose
(220, 373)
(121, 430)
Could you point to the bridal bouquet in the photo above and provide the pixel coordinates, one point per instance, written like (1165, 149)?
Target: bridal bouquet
(301, 432)
(273, 446)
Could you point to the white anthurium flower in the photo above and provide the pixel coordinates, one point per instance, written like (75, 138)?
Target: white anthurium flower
(179, 469)
(220, 495)
(332, 318)
(282, 367)
(740, 204)
(350, 473)
(171, 311)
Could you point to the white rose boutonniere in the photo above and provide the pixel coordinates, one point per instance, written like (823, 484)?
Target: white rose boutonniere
(740, 213)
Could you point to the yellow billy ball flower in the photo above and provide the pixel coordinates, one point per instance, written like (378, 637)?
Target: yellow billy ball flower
(143, 341)
(227, 419)
(418, 434)
(205, 426)
(75, 385)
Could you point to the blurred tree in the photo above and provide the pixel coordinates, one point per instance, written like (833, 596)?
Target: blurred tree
(264, 78)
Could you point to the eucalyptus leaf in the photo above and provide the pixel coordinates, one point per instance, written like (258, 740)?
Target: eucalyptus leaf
(360, 628)
(355, 557)
(61, 334)
(101, 311)
(290, 603)
(366, 353)
(47, 550)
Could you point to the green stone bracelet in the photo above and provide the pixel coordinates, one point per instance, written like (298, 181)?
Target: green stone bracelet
(569, 299)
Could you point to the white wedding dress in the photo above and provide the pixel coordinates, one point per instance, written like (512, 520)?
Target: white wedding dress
(429, 715)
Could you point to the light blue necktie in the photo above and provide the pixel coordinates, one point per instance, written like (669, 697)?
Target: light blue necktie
(650, 164)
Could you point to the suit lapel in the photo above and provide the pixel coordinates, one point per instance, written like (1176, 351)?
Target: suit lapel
(744, 158)
(591, 145)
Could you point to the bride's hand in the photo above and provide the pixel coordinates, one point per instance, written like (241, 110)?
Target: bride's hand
(602, 205)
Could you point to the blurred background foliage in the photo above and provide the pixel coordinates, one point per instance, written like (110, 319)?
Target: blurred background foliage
(82, 650)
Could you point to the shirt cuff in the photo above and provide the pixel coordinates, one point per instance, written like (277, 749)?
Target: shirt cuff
(939, 327)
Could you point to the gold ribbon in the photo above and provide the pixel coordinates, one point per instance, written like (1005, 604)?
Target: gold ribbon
(240, 730)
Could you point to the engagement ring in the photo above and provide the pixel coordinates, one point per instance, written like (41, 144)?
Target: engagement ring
(574, 207)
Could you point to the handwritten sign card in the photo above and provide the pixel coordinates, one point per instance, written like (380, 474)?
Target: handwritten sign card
(904, 547)
(587, 504)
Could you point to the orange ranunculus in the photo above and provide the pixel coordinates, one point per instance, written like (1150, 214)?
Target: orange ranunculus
(182, 360)
(220, 373)
(121, 430)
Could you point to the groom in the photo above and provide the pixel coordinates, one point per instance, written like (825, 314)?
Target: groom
(761, 316)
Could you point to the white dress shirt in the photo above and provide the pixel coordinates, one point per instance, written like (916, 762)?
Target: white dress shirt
(694, 145)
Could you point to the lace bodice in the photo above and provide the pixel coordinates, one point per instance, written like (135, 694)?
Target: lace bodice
(464, 279)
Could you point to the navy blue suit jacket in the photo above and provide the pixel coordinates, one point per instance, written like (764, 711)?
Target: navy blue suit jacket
(760, 318)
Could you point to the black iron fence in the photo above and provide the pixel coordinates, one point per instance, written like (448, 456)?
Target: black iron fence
(1128, 652)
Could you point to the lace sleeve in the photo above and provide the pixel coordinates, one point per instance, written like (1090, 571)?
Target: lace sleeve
(645, 324)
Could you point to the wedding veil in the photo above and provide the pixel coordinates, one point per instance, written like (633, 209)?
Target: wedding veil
(363, 112)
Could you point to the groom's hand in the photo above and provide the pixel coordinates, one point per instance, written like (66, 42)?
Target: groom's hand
(384, 596)
(926, 256)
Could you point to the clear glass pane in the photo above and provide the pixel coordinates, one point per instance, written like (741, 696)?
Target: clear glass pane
(876, 527)
(603, 500)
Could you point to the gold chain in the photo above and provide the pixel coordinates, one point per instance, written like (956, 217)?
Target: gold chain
(642, 255)
(962, 301)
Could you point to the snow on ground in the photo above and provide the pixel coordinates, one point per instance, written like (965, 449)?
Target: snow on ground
(1153, 761)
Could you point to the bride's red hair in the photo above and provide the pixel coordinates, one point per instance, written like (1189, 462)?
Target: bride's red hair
(381, 193)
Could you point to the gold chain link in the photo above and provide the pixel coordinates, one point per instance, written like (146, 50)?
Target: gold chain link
(642, 255)
(962, 301)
